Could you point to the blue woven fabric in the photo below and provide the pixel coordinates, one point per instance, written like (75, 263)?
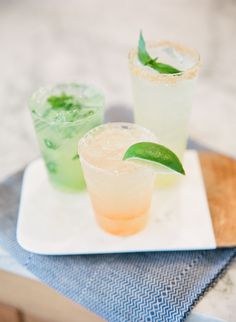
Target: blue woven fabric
(120, 287)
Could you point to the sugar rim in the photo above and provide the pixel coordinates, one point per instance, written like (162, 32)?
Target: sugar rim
(46, 89)
(91, 132)
(143, 72)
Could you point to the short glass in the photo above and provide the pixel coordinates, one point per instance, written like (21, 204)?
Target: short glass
(120, 191)
(58, 130)
(162, 102)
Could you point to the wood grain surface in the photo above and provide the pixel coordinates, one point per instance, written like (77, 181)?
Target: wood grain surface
(9, 314)
(38, 302)
(219, 174)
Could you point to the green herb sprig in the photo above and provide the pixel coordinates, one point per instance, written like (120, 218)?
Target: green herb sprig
(64, 101)
(147, 60)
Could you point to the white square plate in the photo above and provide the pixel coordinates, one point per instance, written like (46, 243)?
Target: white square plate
(56, 223)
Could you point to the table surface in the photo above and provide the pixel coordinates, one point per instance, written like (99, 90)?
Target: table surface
(47, 42)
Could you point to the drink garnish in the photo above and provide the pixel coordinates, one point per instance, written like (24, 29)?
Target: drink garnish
(147, 60)
(76, 157)
(52, 166)
(64, 101)
(154, 155)
(49, 144)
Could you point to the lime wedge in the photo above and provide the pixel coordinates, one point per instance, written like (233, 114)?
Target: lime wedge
(155, 155)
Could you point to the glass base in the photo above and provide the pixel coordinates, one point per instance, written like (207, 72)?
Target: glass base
(123, 227)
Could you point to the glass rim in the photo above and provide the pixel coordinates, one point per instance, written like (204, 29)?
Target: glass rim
(95, 129)
(47, 88)
(143, 72)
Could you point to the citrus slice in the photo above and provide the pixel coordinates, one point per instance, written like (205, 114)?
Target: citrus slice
(154, 155)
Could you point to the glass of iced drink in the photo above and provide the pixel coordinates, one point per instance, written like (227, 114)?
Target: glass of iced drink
(120, 191)
(62, 114)
(162, 102)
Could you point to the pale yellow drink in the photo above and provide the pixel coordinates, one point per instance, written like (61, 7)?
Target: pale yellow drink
(162, 102)
(120, 191)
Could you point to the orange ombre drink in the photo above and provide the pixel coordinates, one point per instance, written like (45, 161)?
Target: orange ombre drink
(120, 191)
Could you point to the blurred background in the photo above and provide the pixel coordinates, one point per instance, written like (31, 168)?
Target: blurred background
(51, 41)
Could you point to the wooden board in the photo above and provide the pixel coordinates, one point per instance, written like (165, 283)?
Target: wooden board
(9, 314)
(39, 300)
(219, 174)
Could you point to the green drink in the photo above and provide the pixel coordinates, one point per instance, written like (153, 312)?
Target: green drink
(62, 114)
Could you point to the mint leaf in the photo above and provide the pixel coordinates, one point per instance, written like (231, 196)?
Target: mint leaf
(143, 55)
(60, 101)
(49, 144)
(52, 166)
(147, 60)
(163, 68)
(76, 157)
(63, 101)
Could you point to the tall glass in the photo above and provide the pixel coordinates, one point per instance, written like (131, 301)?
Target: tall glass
(162, 102)
(59, 128)
(120, 191)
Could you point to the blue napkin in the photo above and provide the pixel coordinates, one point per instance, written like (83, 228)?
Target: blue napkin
(118, 287)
